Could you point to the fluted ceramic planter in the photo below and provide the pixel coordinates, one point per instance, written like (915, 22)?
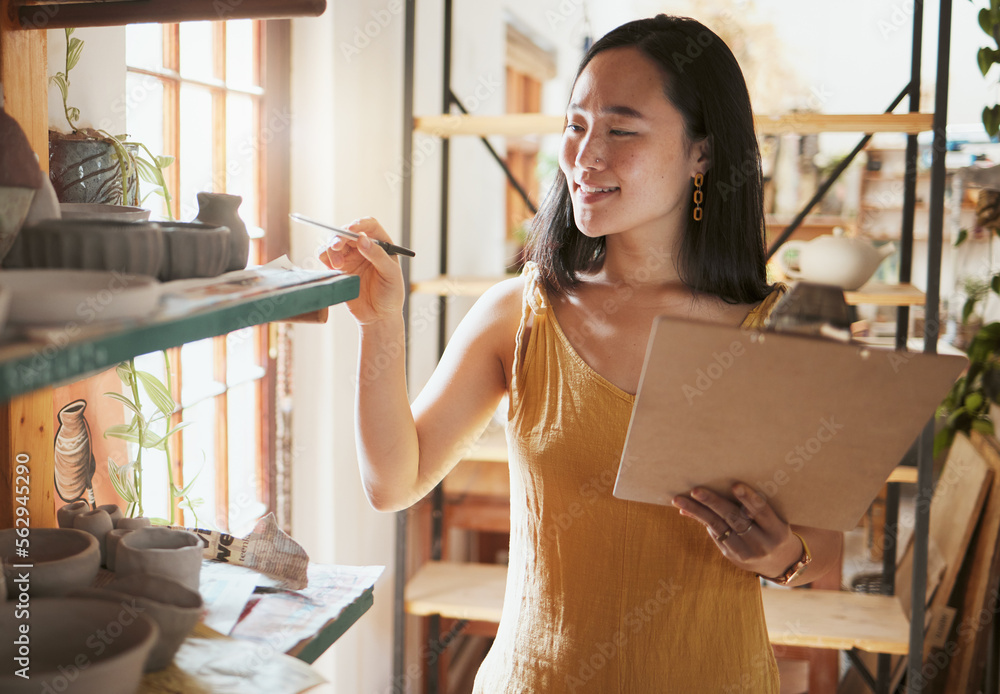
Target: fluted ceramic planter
(174, 607)
(66, 514)
(97, 523)
(174, 554)
(220, 209)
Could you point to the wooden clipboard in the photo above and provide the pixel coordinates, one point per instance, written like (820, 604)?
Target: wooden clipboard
(815, 425)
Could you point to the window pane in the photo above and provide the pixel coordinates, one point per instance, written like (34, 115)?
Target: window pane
(240, 54)
(198, 383)
(242, 147)
(195, 147)
(244, 507)
(197, 40)
(144, 123)
(199, 459)
(241, 356)
(144, 46)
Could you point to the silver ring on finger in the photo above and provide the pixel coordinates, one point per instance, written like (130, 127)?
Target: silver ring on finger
(745, 530)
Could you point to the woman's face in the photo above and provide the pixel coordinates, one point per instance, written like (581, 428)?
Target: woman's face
(625, 154)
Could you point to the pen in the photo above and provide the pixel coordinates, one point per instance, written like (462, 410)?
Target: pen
(389, 248)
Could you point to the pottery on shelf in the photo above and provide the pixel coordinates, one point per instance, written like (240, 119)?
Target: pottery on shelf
(111, 541)
(133, 248)
(97, 523)
(96, 210)
(74, 458)
(65, 514)
(62, 559)
(175, 554)
(835, 259)
(133, 523)
(174, 607)
(113, 510)
(77, 645)
(87, 169)
(46, 297)
(193, 249)
(220, 209)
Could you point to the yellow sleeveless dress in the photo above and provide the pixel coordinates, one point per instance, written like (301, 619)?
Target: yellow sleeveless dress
(604, 595)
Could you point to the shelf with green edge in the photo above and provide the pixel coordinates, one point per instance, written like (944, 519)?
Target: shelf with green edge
(72, 351)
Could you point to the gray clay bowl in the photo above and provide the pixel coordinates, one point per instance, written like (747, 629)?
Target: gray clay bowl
(193, 249)
(96, 210)
(174, 608)
(175, 554)
(62, 559)
(133, 248)
(77, 645)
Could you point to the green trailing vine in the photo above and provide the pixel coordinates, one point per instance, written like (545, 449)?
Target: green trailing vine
(987, 57)
(149, 168)
(143, 433)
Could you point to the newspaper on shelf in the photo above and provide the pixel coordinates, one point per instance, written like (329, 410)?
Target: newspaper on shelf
(268, 549)
(289, 620)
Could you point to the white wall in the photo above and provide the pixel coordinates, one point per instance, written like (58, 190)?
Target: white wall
(97, 82)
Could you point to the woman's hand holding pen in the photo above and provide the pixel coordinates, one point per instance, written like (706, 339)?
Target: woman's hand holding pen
(382, 289)
(748, 532)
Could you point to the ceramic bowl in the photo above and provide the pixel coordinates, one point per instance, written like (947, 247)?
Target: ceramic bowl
(66, 514)
(173, 607)
(40, 297)
(134, 248)
(174, 554)
(77, 645)
(193, 249)
(62, 559)
(94, 210)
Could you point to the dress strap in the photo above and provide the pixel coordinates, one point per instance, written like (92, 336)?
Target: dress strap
(535, 298)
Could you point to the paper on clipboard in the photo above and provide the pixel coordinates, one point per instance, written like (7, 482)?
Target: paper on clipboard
(815, 425)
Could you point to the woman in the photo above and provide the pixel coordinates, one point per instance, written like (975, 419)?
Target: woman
(657, 209)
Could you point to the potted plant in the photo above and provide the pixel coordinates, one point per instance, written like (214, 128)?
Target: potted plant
(111, 164)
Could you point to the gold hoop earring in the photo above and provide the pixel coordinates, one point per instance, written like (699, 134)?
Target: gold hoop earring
(699, 179)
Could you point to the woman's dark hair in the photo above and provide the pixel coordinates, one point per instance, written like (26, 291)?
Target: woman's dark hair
(723, 253)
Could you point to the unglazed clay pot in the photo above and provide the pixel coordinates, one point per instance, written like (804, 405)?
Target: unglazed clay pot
(173, 607)
(97, 523)
(77, 645)
(175, 554)
(133, 523)
(220, 209)
(113, 510)
(62, 559)
(111, 541)
(65, 514)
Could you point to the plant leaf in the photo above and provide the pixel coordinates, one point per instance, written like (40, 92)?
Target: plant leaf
(73, 50)
(157, 392)
(123, 480)
(985, 21)
(983, 426)
(991, 119)
(123, 432)
(125, 401)
(163, 161)
(124, 373)
(984, 57)
(60, 81)
(963, 234)
(942, 440)
(967, 309)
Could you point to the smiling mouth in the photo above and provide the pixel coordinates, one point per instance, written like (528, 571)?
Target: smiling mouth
(590, 191)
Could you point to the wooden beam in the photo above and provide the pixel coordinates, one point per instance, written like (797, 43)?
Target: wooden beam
(23, 73)
(522, 124)
(26, 434)
(100, 13)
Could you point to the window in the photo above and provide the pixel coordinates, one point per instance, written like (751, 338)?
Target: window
(198, 91)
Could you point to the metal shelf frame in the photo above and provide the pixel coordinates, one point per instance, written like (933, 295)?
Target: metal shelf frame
(447, 125)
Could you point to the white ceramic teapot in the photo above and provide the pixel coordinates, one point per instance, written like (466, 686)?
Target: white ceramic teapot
(834, 259)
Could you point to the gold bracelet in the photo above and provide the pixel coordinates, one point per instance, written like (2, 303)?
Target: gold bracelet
(797, 567)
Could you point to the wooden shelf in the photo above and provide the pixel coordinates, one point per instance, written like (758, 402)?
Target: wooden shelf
(456, 286)
(795, 617)
(522, 124)
(878, 294)
(29, 365)
(99, 13)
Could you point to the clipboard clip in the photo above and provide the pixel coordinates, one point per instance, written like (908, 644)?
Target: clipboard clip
(817, 310)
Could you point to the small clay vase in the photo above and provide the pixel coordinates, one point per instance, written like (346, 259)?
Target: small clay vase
(133, 523)
(114, 511)
(175, 554)
(220, 209)
(65, 514)
(62, 559)
(111, 541)
(97, 523)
